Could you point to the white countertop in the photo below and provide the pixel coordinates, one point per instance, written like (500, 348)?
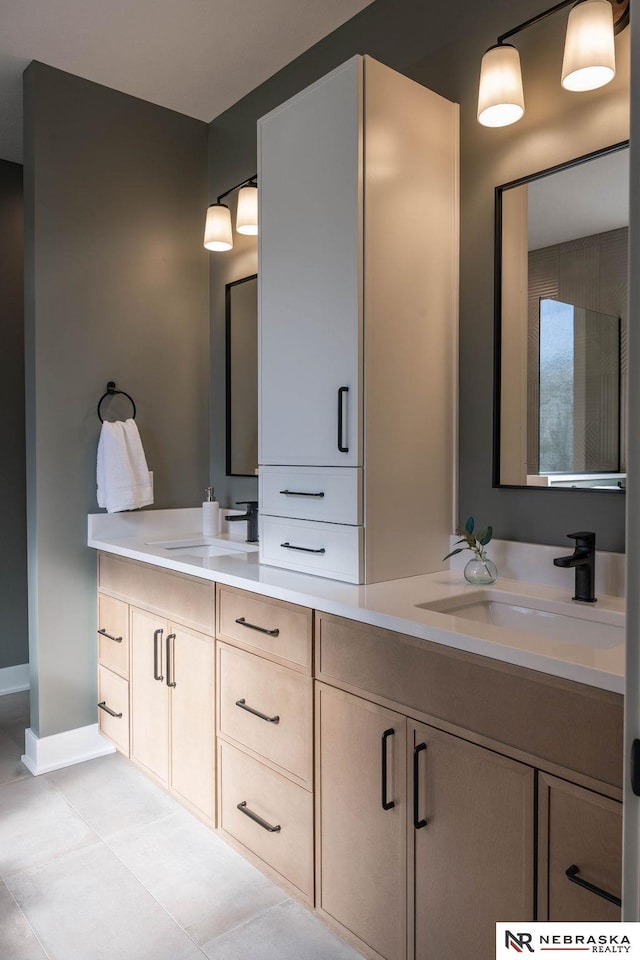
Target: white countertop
(393, 604)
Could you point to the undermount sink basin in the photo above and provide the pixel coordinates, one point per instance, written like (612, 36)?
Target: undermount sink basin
(203, 547)
(556, 619)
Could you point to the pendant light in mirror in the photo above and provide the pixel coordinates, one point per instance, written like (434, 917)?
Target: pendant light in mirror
(218, 234)
(589, 58)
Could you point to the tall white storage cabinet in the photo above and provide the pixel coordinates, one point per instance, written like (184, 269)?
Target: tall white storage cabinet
(358, 279)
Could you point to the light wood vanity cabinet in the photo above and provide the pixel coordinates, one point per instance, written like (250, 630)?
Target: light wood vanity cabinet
(480, 758)
(160, 677)
(578, 829)
(265, 733)
(418, 829)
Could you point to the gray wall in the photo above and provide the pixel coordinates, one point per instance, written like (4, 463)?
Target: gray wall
(14, 647)
(445, 55)
(116, 289)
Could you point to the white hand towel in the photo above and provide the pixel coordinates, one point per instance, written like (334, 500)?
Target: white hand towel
(123, 478)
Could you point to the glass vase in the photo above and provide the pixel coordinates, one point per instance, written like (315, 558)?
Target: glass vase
(480, 571)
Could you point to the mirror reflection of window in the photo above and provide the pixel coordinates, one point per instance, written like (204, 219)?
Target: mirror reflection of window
(563, 237)
(579, 389)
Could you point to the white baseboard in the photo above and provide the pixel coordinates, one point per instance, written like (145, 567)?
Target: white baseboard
(14, 679)
(43, 754)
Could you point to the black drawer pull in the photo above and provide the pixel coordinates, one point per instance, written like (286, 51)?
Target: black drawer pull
(341, 445)
(244, 706)
(243, 808)
(252, 626)
(386, 804)
(112, 713)
(417, 823)
(171, 659)
(103, 633)
(290, 546)
(300, 493)
(572, 874)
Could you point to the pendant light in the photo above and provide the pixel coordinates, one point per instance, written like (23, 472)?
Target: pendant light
(500, 98)
(589, 50)
(247, 210)
(217, 228)
(589, 58)
(218, 235)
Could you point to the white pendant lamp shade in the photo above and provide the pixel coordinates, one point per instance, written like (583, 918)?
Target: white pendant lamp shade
(589, 51)
(217, 229)
(501, 98)
(247, 212)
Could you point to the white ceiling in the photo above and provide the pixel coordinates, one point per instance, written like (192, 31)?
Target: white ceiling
(580, 201)
(195, 56)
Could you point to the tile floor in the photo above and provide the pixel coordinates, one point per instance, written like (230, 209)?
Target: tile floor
(98, 863)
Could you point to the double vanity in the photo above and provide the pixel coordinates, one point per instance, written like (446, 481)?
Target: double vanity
(397, 755)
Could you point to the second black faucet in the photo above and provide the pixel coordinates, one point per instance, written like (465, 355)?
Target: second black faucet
(584, 560)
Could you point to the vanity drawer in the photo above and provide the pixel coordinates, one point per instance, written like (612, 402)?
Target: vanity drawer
(325, 549)
(113, 634)
(249, 683)
(113, 695)
(278, 631)
(279, 804)
(174, 595)
(332, 494)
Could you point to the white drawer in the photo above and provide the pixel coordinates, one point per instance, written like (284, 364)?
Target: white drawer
(325, 549)
(332, 494)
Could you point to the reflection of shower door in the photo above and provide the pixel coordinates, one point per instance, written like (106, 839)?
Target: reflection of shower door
(579, 389)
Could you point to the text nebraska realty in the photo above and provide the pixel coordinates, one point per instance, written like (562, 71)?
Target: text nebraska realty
(600, 943)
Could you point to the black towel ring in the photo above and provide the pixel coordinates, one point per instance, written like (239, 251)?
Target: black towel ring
(111, 389)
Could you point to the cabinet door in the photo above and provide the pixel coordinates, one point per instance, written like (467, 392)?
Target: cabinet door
(578, 828)
(190, 666)
(361, 845)
(473, 842)
(149, 693)
(310, 277)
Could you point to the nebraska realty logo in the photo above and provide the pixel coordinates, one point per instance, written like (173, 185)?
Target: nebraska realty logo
(560, 939)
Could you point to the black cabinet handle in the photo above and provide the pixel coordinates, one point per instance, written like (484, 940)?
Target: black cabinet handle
(635, 767)
(386, 804)
(301, 493)
(171, 656)
(572, 874)
(418, 824)
(290, 546)
(341, 392)
(253, 626)
(243, 808)
(112, 713)
(157, 639)
(103, 633)
(244, 706)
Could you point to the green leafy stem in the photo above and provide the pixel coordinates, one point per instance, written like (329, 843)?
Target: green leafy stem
(472, 541)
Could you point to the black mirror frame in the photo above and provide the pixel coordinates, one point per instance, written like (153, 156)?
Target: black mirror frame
(227, 318)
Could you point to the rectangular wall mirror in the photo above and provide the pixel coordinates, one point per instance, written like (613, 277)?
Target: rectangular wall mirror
(561, 325)
(241, 316)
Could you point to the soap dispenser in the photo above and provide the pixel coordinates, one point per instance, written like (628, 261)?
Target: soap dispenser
(210, 514)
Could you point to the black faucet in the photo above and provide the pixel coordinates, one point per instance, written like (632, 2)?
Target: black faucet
(584, 560)
(251, 516)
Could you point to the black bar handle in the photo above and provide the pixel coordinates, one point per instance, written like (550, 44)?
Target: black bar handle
(157, 638)
(290, 546)
(386, 804)
(418, 824)
(572, 874)
(252, 626)
(112, 713)
(103, 633)
(635, 767)
(341, 392)
(171, 654)
(244, 706)
(243, 808)
(301, 493)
